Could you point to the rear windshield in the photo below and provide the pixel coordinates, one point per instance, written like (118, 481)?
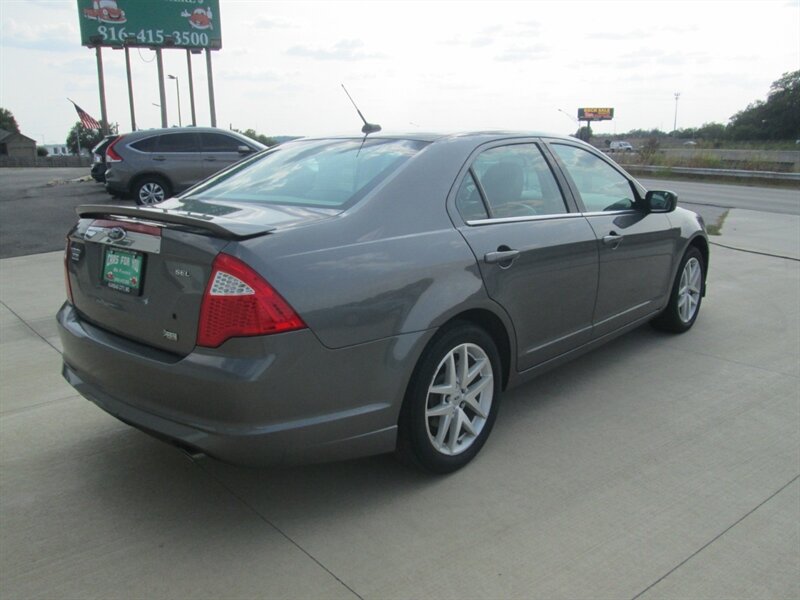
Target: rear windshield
(327, 173)
(100, 148)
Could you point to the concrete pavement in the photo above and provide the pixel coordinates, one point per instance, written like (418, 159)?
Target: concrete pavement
(658, 466)
(763, 232)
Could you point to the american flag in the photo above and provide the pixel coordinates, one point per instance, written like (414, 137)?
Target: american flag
(87, 121)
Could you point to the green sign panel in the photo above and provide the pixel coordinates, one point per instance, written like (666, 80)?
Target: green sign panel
(150, 23)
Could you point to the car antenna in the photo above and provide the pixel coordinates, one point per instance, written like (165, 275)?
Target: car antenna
(368, 127)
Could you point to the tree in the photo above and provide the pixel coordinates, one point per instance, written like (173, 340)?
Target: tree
(259, 137)
(7, 121)
(41, 151)
(776, 119)
(89, 138)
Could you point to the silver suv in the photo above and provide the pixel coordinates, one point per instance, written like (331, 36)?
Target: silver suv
(152, 165)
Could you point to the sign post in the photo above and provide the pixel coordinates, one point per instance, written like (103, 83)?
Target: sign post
(191, 84)
(130, 87)
(102, 85)
(594, 114)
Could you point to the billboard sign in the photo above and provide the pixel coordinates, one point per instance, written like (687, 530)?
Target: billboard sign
(150, 23)
(595, 114)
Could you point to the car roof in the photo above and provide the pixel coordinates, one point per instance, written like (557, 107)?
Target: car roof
(487, 135)
(140, 134)
(162, 130)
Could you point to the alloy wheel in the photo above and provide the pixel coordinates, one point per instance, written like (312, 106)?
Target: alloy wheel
(151, 193)
(459, 399)
(689, 289)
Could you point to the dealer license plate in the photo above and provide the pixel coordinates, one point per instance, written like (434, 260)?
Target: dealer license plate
(122, 270)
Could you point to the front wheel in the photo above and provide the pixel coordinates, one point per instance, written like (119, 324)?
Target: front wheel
(686, 295)
(452, 401)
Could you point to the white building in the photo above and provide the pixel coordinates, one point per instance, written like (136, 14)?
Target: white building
(57, 150)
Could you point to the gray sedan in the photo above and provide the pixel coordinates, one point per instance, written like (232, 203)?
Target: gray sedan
(341, 297)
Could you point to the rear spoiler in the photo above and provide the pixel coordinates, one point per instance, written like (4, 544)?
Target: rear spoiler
(229, 229)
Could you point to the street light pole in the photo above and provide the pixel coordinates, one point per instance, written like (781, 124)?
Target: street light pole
(571, 118)
(178, 90)
(675, 123)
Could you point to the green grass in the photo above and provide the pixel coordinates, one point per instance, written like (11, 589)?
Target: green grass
(716, 228)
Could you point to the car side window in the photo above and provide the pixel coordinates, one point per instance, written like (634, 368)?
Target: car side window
(469, 202)
(517, 182)
(146, 145)
(601, 187)
(219, 142)
(179, 142)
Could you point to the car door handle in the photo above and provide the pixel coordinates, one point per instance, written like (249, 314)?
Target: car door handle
(210, 158)
(501, 256)
(159, 158)
(613, 240)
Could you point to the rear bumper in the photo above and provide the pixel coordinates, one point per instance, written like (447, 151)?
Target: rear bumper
(274, 399)
(113, 187)
(116, 179)
(98, 172)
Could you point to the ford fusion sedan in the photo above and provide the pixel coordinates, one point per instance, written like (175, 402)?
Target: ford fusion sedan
(341, 297)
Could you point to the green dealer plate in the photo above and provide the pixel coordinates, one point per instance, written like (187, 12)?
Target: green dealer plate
(122, 270)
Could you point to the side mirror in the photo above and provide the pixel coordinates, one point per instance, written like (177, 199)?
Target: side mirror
(660, 201)
(244, 149)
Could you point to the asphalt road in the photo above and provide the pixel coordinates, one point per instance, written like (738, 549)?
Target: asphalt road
(764, 199)
(37, 206)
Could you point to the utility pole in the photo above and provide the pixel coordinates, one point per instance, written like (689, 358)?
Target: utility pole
(675, 123)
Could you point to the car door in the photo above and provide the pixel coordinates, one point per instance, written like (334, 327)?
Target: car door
(636, 247)
(537, 254)
(219, 151)
(178, 156)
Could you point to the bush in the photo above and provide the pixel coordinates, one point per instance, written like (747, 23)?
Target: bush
(649, 149)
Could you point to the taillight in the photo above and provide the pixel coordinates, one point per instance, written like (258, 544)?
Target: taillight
(67, 284)
(111, 154)
(238, 302)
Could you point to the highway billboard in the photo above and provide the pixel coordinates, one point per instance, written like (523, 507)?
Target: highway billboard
(150, 23)
(595, 114)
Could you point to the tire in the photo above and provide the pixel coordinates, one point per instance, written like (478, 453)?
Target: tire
(151, 189)
(441, 431)
(686, 295)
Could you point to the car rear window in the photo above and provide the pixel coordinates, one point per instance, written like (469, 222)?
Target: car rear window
(328, 173)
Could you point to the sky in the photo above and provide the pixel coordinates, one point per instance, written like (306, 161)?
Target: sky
(416, 66)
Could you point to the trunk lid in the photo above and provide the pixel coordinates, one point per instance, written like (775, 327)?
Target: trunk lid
(141, 273)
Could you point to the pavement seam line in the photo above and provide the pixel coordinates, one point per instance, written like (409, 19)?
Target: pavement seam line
(24, 409)
(754, 252)
(714, 539)
(275, 527)
(740, 363)
(24, 322)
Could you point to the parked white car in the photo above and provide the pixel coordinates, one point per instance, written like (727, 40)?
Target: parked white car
(620, 147)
